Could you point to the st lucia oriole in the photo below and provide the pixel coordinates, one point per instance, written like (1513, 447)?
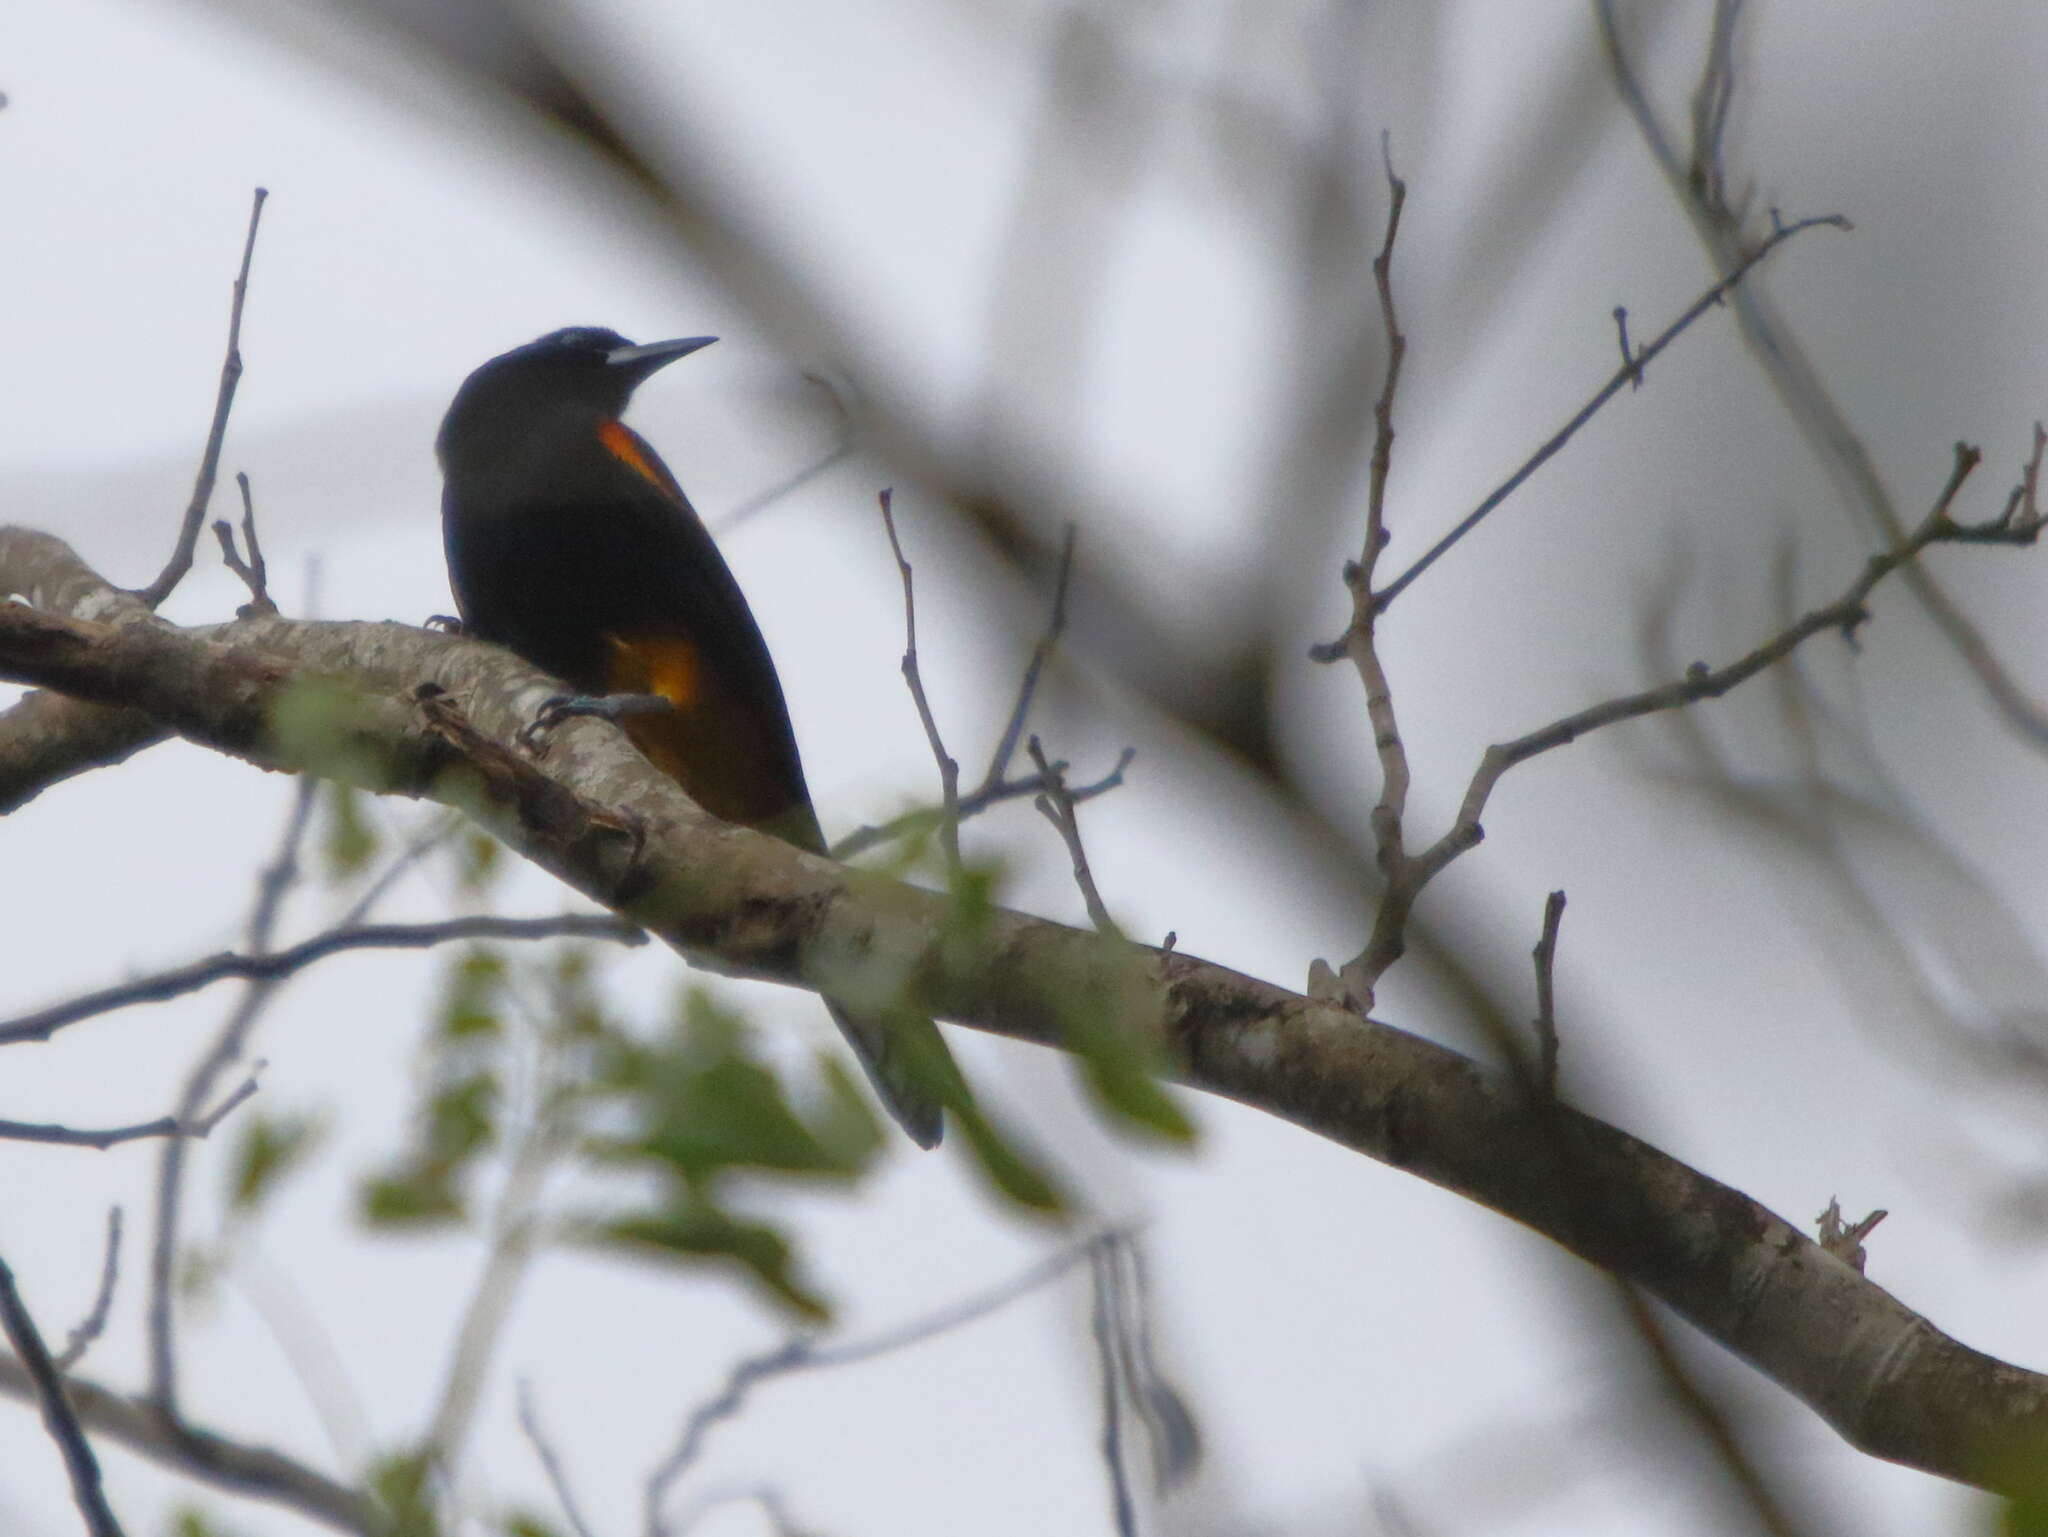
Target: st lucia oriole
(570, 543)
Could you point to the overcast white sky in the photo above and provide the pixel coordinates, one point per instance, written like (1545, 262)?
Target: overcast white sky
(1339, 1328)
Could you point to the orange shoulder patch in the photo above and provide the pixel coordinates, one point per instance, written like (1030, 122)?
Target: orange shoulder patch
(626, 446)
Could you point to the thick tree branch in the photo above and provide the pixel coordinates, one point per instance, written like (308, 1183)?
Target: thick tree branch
(48, 738)
(411, 712)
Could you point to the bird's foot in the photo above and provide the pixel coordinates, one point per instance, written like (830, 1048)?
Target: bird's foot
(611, 707)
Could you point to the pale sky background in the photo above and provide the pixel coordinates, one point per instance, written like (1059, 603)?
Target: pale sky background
(1340, 1329)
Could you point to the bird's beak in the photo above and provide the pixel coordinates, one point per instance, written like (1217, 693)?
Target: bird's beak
(638, 362)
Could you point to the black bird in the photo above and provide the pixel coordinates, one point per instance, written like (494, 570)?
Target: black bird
(570, 543)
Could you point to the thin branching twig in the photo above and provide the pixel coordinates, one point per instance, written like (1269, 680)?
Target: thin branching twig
(1627, 374)
(200, 1126)
(1699, 184)
(273, 884)
(949, 768)
(996, 784)
(1109, 1353)
(276, 965)
(224, 401)
(1057, 807)
(811, 1354)
(255, 574)
(1027, 686)
(94, 1324)
(972, 804)
(550, 1462)
(59, 1418)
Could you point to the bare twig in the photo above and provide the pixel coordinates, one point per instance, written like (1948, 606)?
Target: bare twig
(1109, 1356)
(1545, 956)
(59, 1418)
(1057, 807)
(550, 1462)
(1623, 376)
(1844, 1240)
(949, 770)
(774, 1509)
(1699, 184)
(763, 499)
(1360, 639)
(276, 965)
(437, 832)
(253, 1471)
(1397, 352)
(809, 1354)
(2019, 523)
(842, 448)
(1628, 359)
(1027, 687)
(1711, 100)
(224, 401)
(996, 786)
(94, 1323)
(163, 1126)
(861, 839)
(515, 1236)
(273, 883)
(1175, 1441)
(1707, 1417)
(1845, 615)
(254, 573)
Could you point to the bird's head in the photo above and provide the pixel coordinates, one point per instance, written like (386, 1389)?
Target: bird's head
(579, 369)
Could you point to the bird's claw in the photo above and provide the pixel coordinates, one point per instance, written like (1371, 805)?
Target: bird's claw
(612, 707)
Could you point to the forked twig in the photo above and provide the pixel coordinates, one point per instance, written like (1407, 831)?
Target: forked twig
(949, 769)
(1056, 805)
(223, 402)
(59, 1419)
(254, 573)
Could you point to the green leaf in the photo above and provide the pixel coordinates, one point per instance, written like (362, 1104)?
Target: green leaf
(1012, 1173)
(1117, 1062)
(2026, 1516)
(703, 1103)
(190, 1521)
(477, 861)
(472, 994)
(399, 1483)
(576, 1012)
(525, 1524)
(267, 1149)
(698, 1229)
(421, 1197)
(462, 1118)
(845, 1123)
(347, 843)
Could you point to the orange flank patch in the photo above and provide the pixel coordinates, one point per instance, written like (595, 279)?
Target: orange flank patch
(652, 663)
(625, 445)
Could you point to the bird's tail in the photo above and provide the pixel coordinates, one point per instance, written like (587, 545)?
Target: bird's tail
(902, 1059)
(906, 1059)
